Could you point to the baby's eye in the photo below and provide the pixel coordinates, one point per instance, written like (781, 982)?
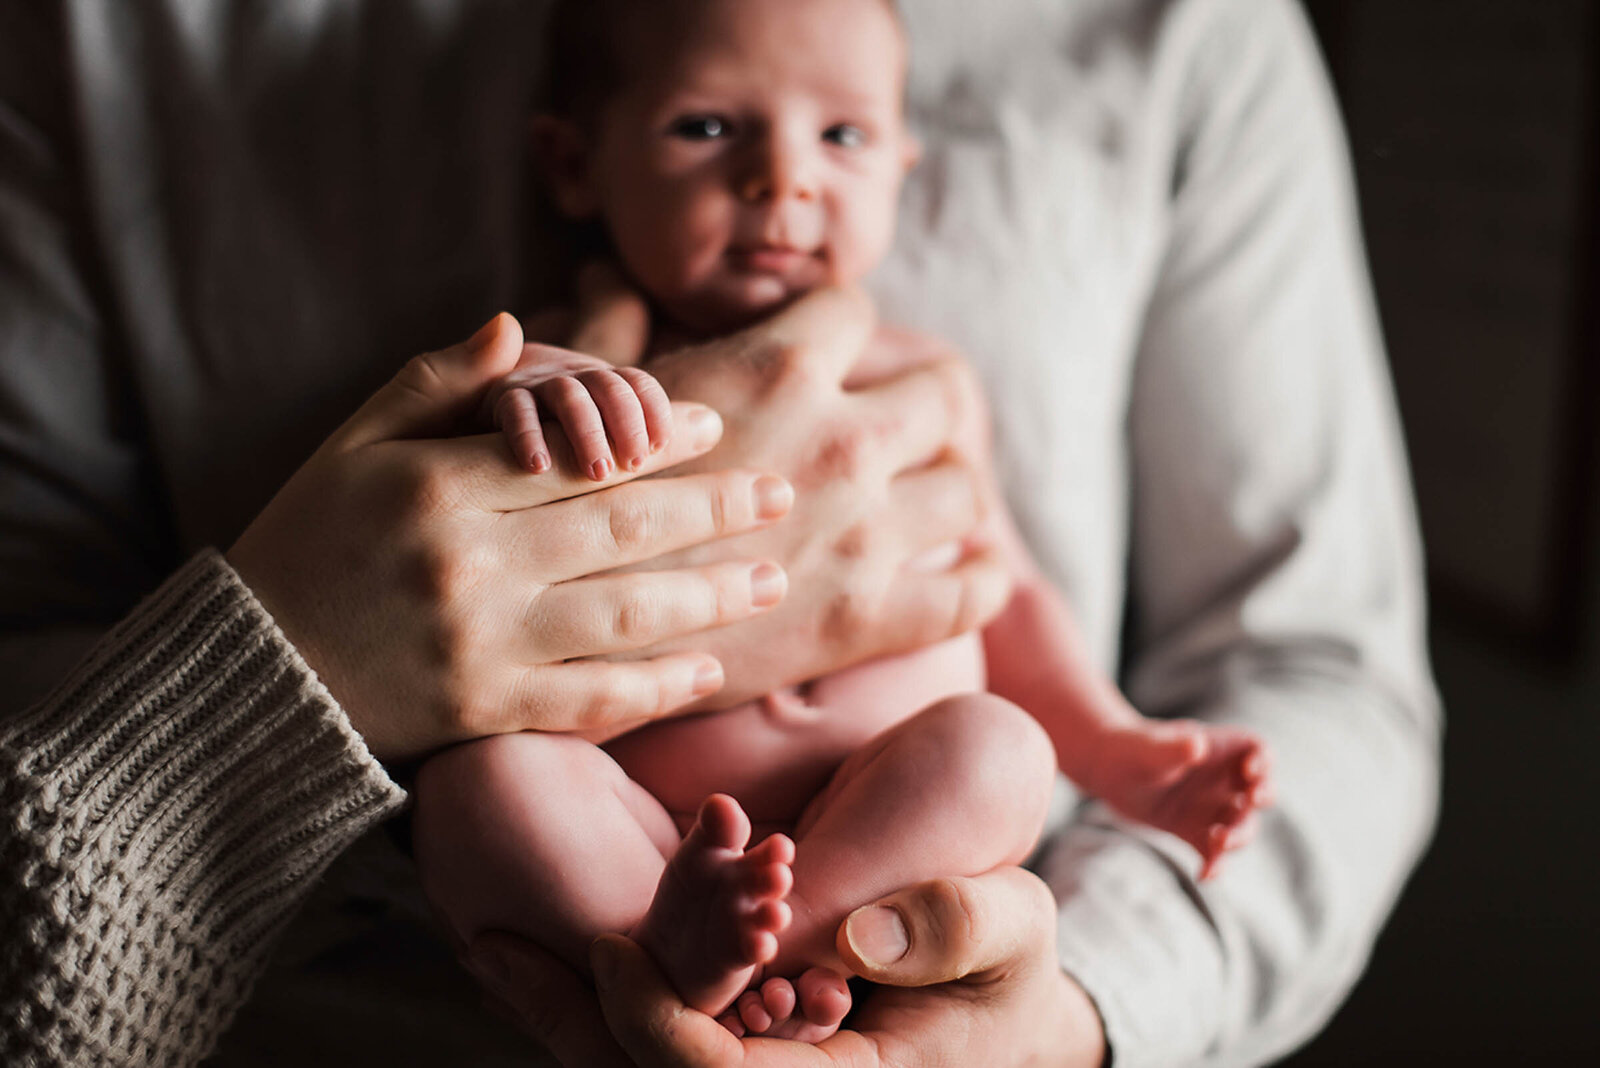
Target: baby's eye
(699, 127)
(845, 135)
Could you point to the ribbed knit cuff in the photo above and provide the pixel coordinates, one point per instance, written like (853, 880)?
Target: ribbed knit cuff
(162, 814)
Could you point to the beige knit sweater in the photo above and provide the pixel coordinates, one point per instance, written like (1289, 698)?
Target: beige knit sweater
(161, 815)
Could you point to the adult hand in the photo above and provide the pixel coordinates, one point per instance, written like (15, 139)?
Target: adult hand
(871, 427)
(442, 594)
(969, 974)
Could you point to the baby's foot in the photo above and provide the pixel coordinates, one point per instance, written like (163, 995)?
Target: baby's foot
(718, 909)
(807, 1010)
(1201, 783)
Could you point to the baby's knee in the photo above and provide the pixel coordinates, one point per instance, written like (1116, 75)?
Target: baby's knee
(992, 747)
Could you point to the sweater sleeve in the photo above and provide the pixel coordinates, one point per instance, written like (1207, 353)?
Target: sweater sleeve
(1275, 577)
(162, 813)
(170, 802)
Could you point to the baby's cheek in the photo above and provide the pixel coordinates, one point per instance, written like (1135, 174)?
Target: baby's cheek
(866, 232)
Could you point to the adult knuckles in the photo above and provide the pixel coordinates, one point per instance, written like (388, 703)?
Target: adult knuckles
(639, 617)
(631, 524)
(840, 454)
(954, 915)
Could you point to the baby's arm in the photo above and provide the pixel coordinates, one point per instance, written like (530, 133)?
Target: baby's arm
(1197, 781)
(605, 411)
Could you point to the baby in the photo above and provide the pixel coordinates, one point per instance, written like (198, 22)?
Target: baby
(737, 154)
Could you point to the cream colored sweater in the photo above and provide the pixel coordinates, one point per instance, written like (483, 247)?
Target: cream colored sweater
(223, 222)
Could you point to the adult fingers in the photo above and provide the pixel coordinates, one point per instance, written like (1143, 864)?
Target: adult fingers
(600, 698)
(934, 505)
(612, 320)
(617, 613)
(641, 520)
(931, 606)
(929, 403)
(947, 929)
(646, 1016)
(546, 999)
(435, 390)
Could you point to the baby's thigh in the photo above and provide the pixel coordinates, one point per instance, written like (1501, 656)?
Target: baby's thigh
(975, 756)
(504, 812)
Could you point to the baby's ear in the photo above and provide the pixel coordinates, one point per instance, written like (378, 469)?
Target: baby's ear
(562, 153)
(910, 150)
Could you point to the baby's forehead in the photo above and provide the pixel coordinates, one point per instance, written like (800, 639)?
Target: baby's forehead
(602, 47)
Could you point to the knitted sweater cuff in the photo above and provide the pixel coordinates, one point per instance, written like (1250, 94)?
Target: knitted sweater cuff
(162, 814)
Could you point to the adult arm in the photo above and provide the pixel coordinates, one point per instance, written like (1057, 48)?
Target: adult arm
(1276, 580)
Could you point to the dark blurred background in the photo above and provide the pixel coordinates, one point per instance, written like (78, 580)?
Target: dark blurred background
(1475, 130)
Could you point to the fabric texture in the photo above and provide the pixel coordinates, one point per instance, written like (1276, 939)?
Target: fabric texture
(223, 223)
(163, 811)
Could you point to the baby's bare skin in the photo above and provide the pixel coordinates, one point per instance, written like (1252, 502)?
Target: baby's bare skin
(755, 153)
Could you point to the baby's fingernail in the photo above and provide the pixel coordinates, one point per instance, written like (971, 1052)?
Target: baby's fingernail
(773, 496)
(604, 962)
(767, 585)
(600, 469)
(707, 678)
(878, 935)
(705, 427)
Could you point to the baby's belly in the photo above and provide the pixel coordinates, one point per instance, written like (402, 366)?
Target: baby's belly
(774, 754)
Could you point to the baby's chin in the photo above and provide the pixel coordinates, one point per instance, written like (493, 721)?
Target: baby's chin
(733, 304)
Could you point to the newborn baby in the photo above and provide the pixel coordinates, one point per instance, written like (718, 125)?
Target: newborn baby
(736, 154)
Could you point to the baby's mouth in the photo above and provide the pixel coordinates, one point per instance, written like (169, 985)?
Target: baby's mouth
(769, 258)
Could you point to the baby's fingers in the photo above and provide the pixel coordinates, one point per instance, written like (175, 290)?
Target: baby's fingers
(622, 412)
(574, 408)
(517, 414)
(653, 399)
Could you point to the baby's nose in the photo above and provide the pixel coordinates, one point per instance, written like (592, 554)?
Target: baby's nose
(779, 172)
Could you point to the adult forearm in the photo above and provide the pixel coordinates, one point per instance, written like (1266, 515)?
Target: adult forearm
(144, 880)
(1241, 969)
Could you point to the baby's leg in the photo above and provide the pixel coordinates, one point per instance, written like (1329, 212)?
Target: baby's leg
(956, 790)
(546, 836)
(1197, 781)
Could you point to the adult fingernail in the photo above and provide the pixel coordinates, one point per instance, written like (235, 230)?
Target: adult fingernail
(707, 678)
(490, 966)
(773, 496)
(767, 585)
(600, 469)
(604, 961)
(878, 935)
(705, 427)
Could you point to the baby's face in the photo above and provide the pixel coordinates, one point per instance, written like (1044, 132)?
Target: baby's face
(754, 152)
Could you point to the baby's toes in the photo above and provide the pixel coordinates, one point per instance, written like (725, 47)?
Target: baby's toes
(758, 932)
(824, 997)
(752, 1012)
(731, 1021)
(779, 998)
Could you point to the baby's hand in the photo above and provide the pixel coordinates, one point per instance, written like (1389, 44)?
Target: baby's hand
(604, 410)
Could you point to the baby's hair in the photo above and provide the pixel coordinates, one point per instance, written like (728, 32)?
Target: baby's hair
(585, 64)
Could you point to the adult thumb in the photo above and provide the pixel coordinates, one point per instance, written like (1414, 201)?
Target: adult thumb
(434, 391)
(948, 929)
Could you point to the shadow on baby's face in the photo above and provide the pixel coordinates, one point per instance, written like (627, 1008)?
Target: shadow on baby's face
(746, 151)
